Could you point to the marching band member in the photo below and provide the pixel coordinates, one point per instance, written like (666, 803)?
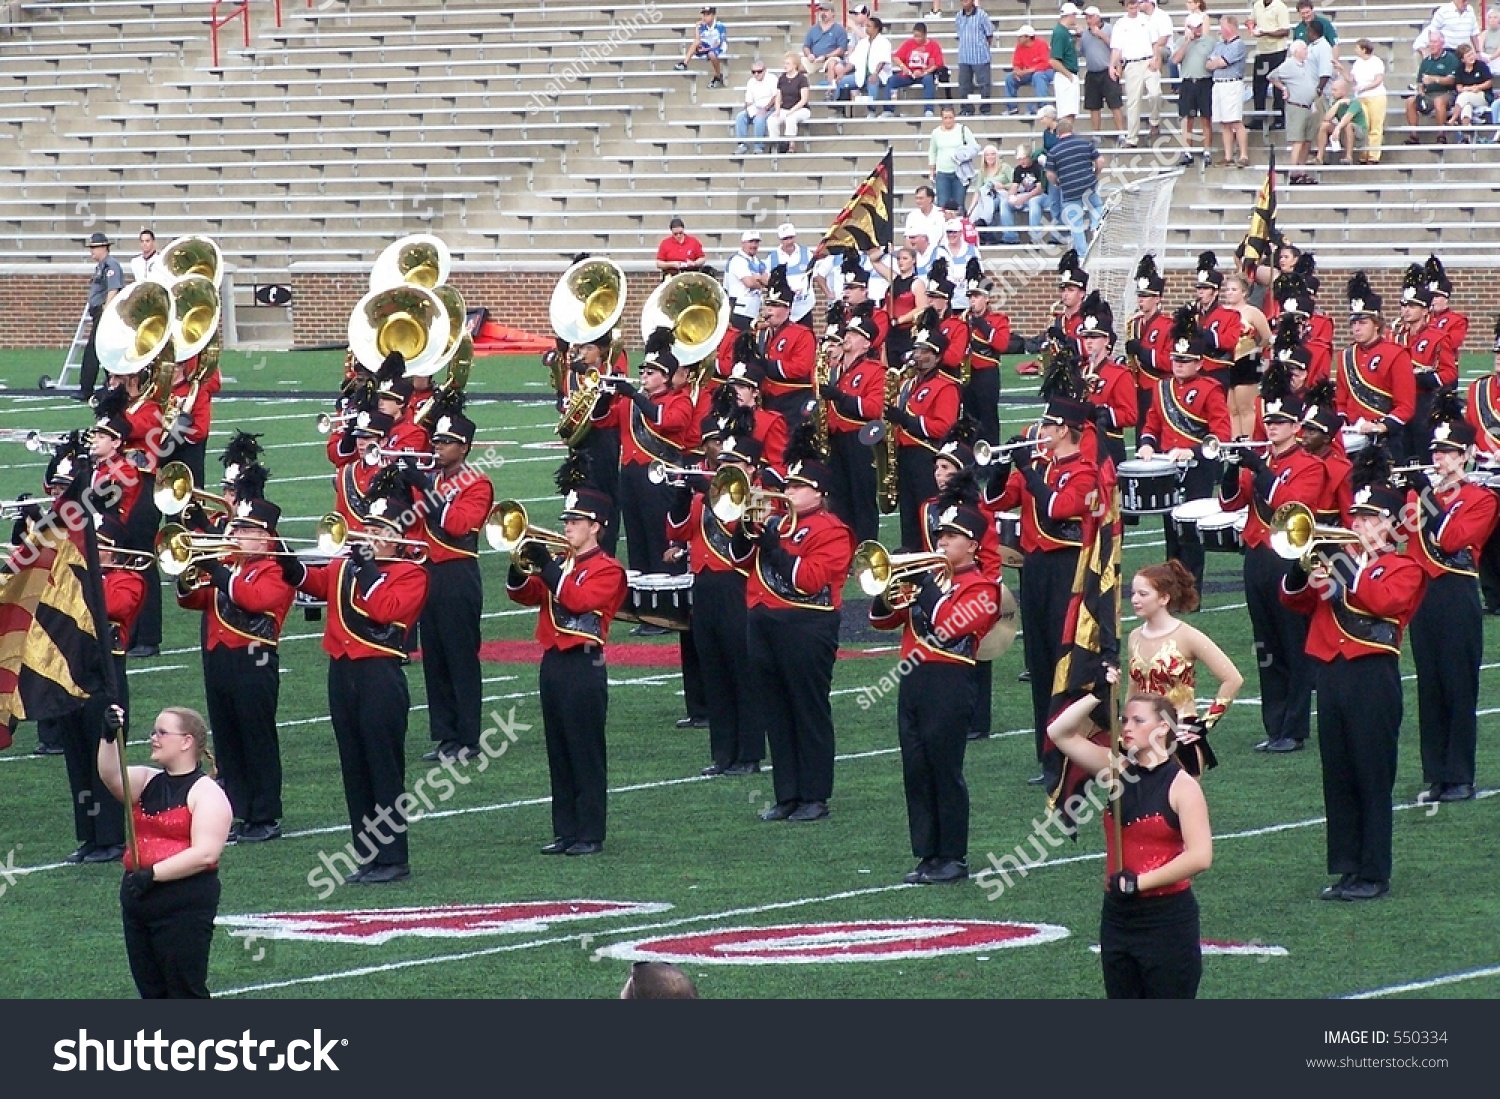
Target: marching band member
(925, 410)
(1454, 520)
(1309, 362)
(142, 448)
(767, 428)
(1072, 285)
(856, 299)
(1148, 338)
(241, 458)
(951, 324)
(1187, 409)
(452, 504)
(373, 596)
(1056, 493)
(1221, 326)
(182, 818)
(1433, 361)
(114, 481)
(393, 396)
(602, 443)
(940, 631)
(1149, 942)
(787, 353)
(188, 439)
(1164, 656)
(1318, 332)
(856, 397)
(1112, 391)
(737, 743)
(1453, 324)
(353, 478)
(579, 594)
(989, 338)
(797, 565)
(244, 605)
(1359, 603)
(98, 819)
(1321, 424)
(1482, 411)
(1377, 391)
(1263, 483)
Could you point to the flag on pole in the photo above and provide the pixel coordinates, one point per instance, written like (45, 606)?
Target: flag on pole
(866, 221)
(1261, 237)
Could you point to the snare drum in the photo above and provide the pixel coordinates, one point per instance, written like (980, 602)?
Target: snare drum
(664, 600)
(1187, 518)
(1009, 525)
(1222, 532)
(1354, 440)
(1149, 486)
(630, 610)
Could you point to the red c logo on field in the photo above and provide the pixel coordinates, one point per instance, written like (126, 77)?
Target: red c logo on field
(374, 926)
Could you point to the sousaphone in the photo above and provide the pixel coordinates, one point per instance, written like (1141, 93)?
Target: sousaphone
(588, 300)
(696, 309)
(418, 260)
(134, 328)
(405, 318)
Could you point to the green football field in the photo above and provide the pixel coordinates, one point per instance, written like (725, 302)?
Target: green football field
(691, 849)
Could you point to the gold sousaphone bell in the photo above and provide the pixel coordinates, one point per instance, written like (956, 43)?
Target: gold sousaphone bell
(588, 300)
(696, 309)
(134, 328)
(417, 260)
(508, 529)
(196, 256)
(408, 319)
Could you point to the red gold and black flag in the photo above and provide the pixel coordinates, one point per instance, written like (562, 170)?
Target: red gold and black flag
(866, 221)
(52, 654)
(1261, 237)
(1091, 639)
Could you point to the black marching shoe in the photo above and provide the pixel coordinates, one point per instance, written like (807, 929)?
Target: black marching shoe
(261, 832)
(584, 848)
(1434, 792)
(945, 871)
(105, 854)
(47, 749)
(558, 846)
(915, 876)
(439, 751)
(750, 768)
(780, 811)
(977, 734)
(1036, 780)
(692, 723)
(1335, 892)
(382, 873)
(1284, 744)
(809, 810)
(1025, 676)
(78, 856)
(1361, 889)
(1457, 791)
(1263, 745)
(711, 770)
(234, 833)
(358, 876)
(140, 652)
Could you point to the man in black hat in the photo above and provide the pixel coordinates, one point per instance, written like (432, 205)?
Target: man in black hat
(797, 567)
(1220, 325)
(1056, 492)
(1454, 520)
(1449, 321)
(737, 742)
(244, 604)
(1376, 387)
(1112, 390)
(989, 338)
(1072, 286)
(925, 411)
(951, 322)
(374, 595)
(1148, 338)
(1359, 602)
(941, 623)
(747, 417)
(355, 475)
(579, 594)
(107, 280)
(1432, 359)
(393, 396)
(1321, 424)
(452, 504)
(856, 398)
(1286, 475)
(788, 352)
(1482, 411)
(854, 298)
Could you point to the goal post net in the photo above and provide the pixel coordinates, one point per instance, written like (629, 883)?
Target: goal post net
(1134, 223)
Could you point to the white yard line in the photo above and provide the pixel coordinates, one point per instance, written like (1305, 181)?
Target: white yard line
(1431, 982)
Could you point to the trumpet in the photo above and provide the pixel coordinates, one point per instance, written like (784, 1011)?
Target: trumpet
(733, 499)
(893, 576)
(659, 473)
(1211, 447)
(327, 423)
(1296, 536)
(175, 491)
(509, 530)
(130, 560)
(14, 509)
(984, 453)
(1413, 468)
(374, 454)
(37, 442)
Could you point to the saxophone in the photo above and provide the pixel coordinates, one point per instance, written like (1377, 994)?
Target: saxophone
(822, 376)
(887, 459)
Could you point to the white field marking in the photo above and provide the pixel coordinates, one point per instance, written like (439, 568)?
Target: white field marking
(1249, 950)
(155, 668)
(1418, 986)
(323, 719)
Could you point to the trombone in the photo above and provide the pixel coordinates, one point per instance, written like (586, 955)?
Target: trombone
(1296, 536)
(175, 491)
(374, 454)
(659, 473)
(1211, 447)
(334, 535)
(893, 576)
(133, 560)
(734, 499)
(509, 530)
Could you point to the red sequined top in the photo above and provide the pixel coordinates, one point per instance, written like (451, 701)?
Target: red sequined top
(163, 821)
(1152, 833)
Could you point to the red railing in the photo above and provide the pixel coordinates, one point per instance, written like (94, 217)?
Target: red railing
(239, 10)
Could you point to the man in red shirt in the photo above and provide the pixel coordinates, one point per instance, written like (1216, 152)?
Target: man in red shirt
(1030, 63)
(917, 61)
(678, 252)
(579, 595)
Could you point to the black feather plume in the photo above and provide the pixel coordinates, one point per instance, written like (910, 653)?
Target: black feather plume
(1372, 465)
(1305, 266)
(573, 471)
(393, 366)
(1184, 323)
(1064, 375)
(1207, 261)
(746, 352)
(938, 271)
(1414, 278)
(1433, 271)
(777, 284)
(849, 262)
(965, 430)
(803, 444)
(1447, 406)
(1359, 288)
(1288, 336)
(739, 422)
(1068, 263)
(252, 482)
(659, 343)
(973, 271)
(722, 403)
(242, 450)
(1276, 382)
(962, 488)
(386, 482)
(111, 402)
(1323, 394)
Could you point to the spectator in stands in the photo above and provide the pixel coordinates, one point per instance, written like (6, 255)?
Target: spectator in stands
(1030, 63)
(658, 981)
(1227, 66)
(1489, 47)
(1195, 87)
(1101, 81)
(989, 187)
(1366, 75)
(798, 261)
(926, 219)
(955, 248)
(760, 100)
(1063, 52)
(1296, 83)
(976, 34)
(824, 42)
(918, 60)
(1307, 17)
(1320, 56)
(1046, 139)
(1458, 25)
(1270, 28)
(1473, 91)
(791, 108)
(1435, 81)
(710, 39)
(1134, 61)
(679, 252)
(1345, 123)
(745, 278)
(1073, 168)
(880, 62)
(1027, 191)
(144, 264)
(107, 281)
(945, 142)
(1161, 38)
(839, 67)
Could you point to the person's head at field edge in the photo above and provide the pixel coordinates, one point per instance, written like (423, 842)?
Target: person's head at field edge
(1166, 587)
(658, 981)
(148, 243)
(1148, 728)
(925, 196)
(179, 740)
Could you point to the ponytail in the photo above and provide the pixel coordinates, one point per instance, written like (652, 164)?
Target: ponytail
(1173, 582)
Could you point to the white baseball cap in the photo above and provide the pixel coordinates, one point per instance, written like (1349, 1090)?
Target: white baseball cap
(953, 225)
(1092, 11)
(786, 229)
(749, 235)
(1023, 149)
(1069, 9)
(1024, 30)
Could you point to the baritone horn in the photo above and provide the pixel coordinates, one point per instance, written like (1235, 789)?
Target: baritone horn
(134, 328)
(417, 260)
(696, 309)
(175, 491)
(334, 536)
(508, 529)
(894, 576)
(1296, 536)
(588, 300)
(733, 499)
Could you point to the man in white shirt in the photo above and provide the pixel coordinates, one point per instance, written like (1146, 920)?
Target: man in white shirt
(760, 98)
(745, 277)
(926, 218)
(1319, 56)
(1458, 24)
(1161, 37)
(829, 271)
(798, 262)
(925, 249)
(145, 264)
(1134, 61)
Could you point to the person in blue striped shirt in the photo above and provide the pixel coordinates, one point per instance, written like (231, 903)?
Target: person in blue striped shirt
(1073, 168)
(975, 33)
